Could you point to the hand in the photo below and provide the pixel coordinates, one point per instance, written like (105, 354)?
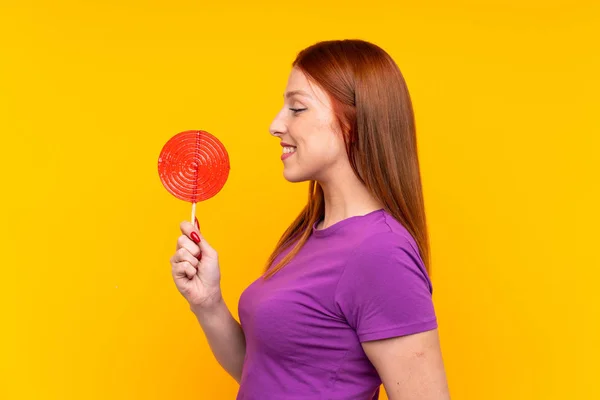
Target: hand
(195, 268)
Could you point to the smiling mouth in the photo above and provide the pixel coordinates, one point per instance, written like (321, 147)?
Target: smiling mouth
(288, 151)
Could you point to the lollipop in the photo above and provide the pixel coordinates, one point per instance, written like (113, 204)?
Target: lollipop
(193, 166)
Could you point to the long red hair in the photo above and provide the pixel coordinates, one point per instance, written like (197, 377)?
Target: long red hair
(372, 106)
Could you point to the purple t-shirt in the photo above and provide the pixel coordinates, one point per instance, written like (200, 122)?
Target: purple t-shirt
(360, 279)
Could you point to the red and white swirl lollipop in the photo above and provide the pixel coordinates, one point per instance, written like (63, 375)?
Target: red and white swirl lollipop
(193, 166)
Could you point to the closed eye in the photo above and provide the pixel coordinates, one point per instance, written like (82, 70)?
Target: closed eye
(297, 110)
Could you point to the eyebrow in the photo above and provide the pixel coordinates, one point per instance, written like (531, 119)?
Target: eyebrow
(294, 92)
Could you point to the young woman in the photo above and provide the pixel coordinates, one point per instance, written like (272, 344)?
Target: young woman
(345, 303)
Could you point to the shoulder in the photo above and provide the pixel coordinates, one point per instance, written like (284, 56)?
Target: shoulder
(385, 240)
(382, 231)
(388, 254)
(390, 237)
(384, 288)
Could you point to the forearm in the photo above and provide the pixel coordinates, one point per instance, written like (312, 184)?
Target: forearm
(225, 337)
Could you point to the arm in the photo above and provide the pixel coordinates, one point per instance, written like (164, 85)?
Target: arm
(225, 337)
(385, 294)
(411, 366)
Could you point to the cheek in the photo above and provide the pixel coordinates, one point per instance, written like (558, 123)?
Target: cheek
(319, 142)
(333, 142)
(325, 148)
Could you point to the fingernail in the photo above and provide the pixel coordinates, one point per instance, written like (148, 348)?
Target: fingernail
(197, 223)
(195, 237)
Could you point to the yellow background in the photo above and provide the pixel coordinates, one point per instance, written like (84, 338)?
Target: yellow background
(506, 101)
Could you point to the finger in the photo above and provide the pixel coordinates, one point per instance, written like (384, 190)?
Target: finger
(205, 248)
(190, 231)
(184, 269)
(186, 243)
(183, 254)
(190, 271)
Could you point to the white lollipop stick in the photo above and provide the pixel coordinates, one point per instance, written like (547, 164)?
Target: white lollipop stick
(193, 214)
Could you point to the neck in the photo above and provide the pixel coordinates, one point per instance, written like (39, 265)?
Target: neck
(346, 197)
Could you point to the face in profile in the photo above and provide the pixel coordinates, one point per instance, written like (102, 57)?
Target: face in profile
(306, 124)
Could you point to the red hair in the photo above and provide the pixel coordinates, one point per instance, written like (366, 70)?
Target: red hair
(372, 106)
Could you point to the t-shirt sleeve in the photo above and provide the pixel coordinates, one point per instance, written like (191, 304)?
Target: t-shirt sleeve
(384, 290)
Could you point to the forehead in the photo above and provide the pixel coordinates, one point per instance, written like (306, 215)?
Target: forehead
(299, 83)
(297, 80)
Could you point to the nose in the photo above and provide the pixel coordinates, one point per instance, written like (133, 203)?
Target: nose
(277, 126)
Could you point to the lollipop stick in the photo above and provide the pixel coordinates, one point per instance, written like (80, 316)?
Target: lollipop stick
(193, 213)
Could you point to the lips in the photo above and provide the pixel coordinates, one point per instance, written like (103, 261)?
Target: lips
(286, 155)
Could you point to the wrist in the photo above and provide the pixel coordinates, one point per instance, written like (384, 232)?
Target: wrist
(209, 306)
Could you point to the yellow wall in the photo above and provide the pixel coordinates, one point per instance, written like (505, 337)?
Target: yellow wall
(506, 100)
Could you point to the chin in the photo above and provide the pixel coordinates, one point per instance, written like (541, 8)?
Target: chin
(290, 176)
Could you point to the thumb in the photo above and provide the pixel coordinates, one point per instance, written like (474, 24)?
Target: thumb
(205, 248)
